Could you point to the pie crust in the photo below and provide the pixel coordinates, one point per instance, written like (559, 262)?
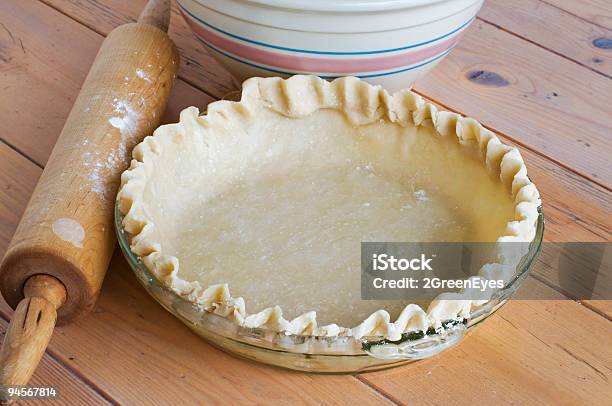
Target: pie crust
(272, 102)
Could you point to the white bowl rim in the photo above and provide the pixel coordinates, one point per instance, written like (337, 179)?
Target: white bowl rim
(345, 6)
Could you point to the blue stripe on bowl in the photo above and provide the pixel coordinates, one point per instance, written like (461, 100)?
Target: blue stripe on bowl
(322, 76)
(306, 51)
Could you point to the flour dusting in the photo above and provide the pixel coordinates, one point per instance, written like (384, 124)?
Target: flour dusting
(95, 176)
(101, 165)
(127, 122)
(69, 230)
(421, 195)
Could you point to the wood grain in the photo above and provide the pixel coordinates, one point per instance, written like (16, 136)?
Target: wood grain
(18, 176)
(563, 115)
(50, 72)
(603, 307)
(552, 28)
(530, 352)
(596, 11)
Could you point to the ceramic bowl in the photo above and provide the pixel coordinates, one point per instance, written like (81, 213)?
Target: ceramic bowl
(386, 42)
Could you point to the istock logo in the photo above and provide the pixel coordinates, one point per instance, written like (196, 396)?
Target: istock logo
(385, 262)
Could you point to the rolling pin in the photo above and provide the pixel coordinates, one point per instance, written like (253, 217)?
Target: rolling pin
(55, 264)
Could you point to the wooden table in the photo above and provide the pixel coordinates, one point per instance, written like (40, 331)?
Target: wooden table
(538, 72)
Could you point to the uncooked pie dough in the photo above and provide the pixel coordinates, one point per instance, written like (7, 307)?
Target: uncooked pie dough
(256, 211)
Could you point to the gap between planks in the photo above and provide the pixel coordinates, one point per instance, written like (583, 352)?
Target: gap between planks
(569, 296)
(20, 152)
(575, 15)
(559, 54)
(385, 394)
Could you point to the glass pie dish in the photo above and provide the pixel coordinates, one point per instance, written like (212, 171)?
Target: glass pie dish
(245, 221)
(338, 354)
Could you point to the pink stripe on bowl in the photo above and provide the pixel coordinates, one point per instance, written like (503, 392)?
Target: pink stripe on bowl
(324, 65)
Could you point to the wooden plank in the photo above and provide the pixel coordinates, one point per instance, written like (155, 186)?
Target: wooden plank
(575, 210)
(48, 70)
(197, 66)
(596, 11)
(49, 65)
(530, 352)
(554, 29)
(580, 271)
(18, 176)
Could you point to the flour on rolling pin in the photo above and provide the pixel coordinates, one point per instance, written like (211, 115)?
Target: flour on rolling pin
(125, 118)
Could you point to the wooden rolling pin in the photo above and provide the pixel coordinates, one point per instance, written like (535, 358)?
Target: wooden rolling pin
(55, 264)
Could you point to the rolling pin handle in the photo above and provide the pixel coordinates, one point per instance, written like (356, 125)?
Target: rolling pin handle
(157, 14)
(30, 329)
